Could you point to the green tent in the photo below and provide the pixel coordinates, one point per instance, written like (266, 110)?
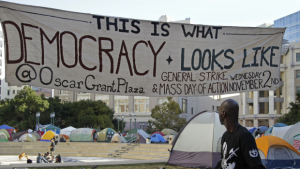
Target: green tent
(169, 132)
(3, 137)
(55, 129)
(105, 135)
(27, 138)
(5, 132)
(83, 134)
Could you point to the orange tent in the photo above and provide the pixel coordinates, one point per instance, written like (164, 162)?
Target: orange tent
(264, 143)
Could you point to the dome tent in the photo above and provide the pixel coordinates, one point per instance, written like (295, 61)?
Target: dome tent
(157, 138)
(292, 134)
(158, 132)
(3, 137)
(201, 150)
(6, 132)
(83, 134)
(117, 138)
(169, 132)
(48, 136)
(67, 131)
(277, 153)
(28, 138)
(106, 134)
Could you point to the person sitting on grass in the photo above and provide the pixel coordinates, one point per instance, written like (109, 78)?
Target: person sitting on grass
(47, 156)
(58, 159)
(41, 159)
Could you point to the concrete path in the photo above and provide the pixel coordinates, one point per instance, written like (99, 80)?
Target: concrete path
(9, 162)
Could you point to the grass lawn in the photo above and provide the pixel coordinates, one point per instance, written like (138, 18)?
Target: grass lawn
(134, 166)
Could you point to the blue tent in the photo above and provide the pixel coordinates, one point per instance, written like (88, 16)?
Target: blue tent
(252, 130)
(6, 127)
(279, 125)
(263, 128)
(157, 138)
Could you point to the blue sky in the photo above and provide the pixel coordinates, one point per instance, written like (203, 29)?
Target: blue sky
(209, 12)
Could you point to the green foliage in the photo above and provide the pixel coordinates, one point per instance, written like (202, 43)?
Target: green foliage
(22, 109)
(293, 116)
(166, 115)
(85, 113)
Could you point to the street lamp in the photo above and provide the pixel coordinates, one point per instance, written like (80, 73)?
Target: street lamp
(135, 121)
(143, 125)
(130, 121)
(118, 117)
(122, 124)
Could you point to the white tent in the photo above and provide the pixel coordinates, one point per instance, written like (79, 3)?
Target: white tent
(280, 131)
(292, 134)
(67, 131)
(196, 145)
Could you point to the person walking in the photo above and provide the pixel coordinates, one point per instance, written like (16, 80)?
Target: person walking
(238, 147)
(52, 148)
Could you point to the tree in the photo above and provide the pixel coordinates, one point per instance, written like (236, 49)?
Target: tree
(293, 116)
(166, 115)
(22, 109)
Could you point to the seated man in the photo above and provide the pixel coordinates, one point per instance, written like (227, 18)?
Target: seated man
(40, 159)
(47, 156)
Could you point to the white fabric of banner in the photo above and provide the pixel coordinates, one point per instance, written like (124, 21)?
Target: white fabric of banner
(120, 56)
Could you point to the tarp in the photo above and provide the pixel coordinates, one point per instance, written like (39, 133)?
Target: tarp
(17, 135)
(67, 131)
(158, 133)
(83, 135)
(106, 134)
(169, 132)
(117, 138)
(292, 133)
(143, 136)
(200, 150)
(3, 137)
(48, 136)
(6, 127)
(28, 138)
(145, 58)
(275, 152)
(52, 128)
(131, 135)
(157, 138)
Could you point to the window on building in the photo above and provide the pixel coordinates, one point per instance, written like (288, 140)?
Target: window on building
(162, 100)
(18, 91)
(8, 92)
(14, 92)
(298, 74)
(213, 107)
(192, 110)
(218, 108)
(0, 53)
(297, 57)
(264, 93)
(1, 43)
(104, 98)
(0, 62)
(184, 105)
(281, 60)
(62, 92)
(0, 90)
(141, 104)
(298, 89)
(0, 72)
(121, 104)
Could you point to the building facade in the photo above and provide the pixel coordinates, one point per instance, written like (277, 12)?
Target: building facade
(292, 24)
(264, 107)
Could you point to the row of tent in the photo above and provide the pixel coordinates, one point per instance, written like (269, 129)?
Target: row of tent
(290, 134)
(202, 150)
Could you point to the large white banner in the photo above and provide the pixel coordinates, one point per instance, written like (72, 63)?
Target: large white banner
(108, 55)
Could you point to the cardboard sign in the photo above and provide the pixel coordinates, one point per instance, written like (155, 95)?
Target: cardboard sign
(100, 54)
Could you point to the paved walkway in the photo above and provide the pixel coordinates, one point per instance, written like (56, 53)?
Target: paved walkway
(9, 162)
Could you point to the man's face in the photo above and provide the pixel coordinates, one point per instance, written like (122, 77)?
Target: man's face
(220, 115)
